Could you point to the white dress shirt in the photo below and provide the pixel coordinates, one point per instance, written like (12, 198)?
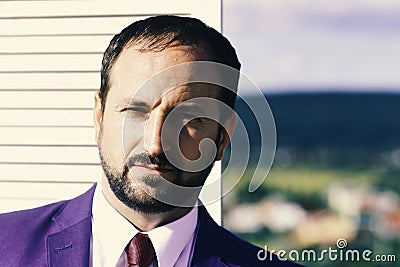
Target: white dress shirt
(111, 232)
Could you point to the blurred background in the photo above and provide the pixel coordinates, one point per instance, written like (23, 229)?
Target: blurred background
(330, 72)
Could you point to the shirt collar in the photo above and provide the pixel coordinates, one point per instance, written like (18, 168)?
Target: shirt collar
(169, 240)
(113, 232)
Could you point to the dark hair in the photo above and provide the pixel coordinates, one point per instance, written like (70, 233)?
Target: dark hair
(160, 32)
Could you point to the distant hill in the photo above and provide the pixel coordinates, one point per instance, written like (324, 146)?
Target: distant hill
(331, 120)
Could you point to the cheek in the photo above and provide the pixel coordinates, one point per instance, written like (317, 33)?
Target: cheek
(189, 145)
(131, 134)
(189, 140)
(118, 139)
(109, 143)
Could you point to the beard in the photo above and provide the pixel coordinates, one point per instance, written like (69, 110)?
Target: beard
(134, 196)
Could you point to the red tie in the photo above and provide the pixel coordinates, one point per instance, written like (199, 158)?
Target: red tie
(140, 251)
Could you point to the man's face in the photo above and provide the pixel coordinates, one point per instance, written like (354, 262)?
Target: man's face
(134, 139)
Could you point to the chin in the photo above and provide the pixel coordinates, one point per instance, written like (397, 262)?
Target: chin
(145, 193)
(141, 198)
(142, 202)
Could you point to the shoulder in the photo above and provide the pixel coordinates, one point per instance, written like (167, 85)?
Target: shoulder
(78, 207)
(27, 231)
(81, 203)
(30, 220)
(30, 217)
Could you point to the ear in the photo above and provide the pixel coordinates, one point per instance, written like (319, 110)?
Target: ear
(97, 115)
(225, 135)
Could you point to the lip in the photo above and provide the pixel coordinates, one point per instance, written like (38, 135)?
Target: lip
(154, 167)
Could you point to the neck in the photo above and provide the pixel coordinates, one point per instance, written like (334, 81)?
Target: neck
(141, 220)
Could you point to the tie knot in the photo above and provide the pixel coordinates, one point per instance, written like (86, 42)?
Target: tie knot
(140, 251)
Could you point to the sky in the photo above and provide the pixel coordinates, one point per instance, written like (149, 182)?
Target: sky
(314, 45)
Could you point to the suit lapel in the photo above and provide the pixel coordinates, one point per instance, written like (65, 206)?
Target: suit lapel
(208, 253)
(71, 245)
(214, 262)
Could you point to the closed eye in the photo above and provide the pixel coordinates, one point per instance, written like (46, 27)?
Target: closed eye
(196, 121)
(136, 109)
(186, 117)
(136, 112)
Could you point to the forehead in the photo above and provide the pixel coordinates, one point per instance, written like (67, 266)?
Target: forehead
(137, 75)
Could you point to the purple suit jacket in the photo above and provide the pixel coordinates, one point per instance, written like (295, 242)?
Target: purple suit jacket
(59, 235)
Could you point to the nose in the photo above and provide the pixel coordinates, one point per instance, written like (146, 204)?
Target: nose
(154, 143)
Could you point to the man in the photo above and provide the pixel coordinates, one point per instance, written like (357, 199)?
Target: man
(151, 122)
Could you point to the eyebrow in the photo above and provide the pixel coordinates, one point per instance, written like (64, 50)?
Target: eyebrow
(131, 102)
(191, 107)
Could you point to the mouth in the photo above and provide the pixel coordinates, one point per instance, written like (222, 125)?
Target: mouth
(155, 167)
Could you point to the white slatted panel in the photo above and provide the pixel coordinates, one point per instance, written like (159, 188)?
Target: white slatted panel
(48, 63)
(51, 155)
(50, 57)
(46, 136)
(46, 80)
(42, 118)
(53, 44)
(47, 99)
(84, 9)
(81, 26)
